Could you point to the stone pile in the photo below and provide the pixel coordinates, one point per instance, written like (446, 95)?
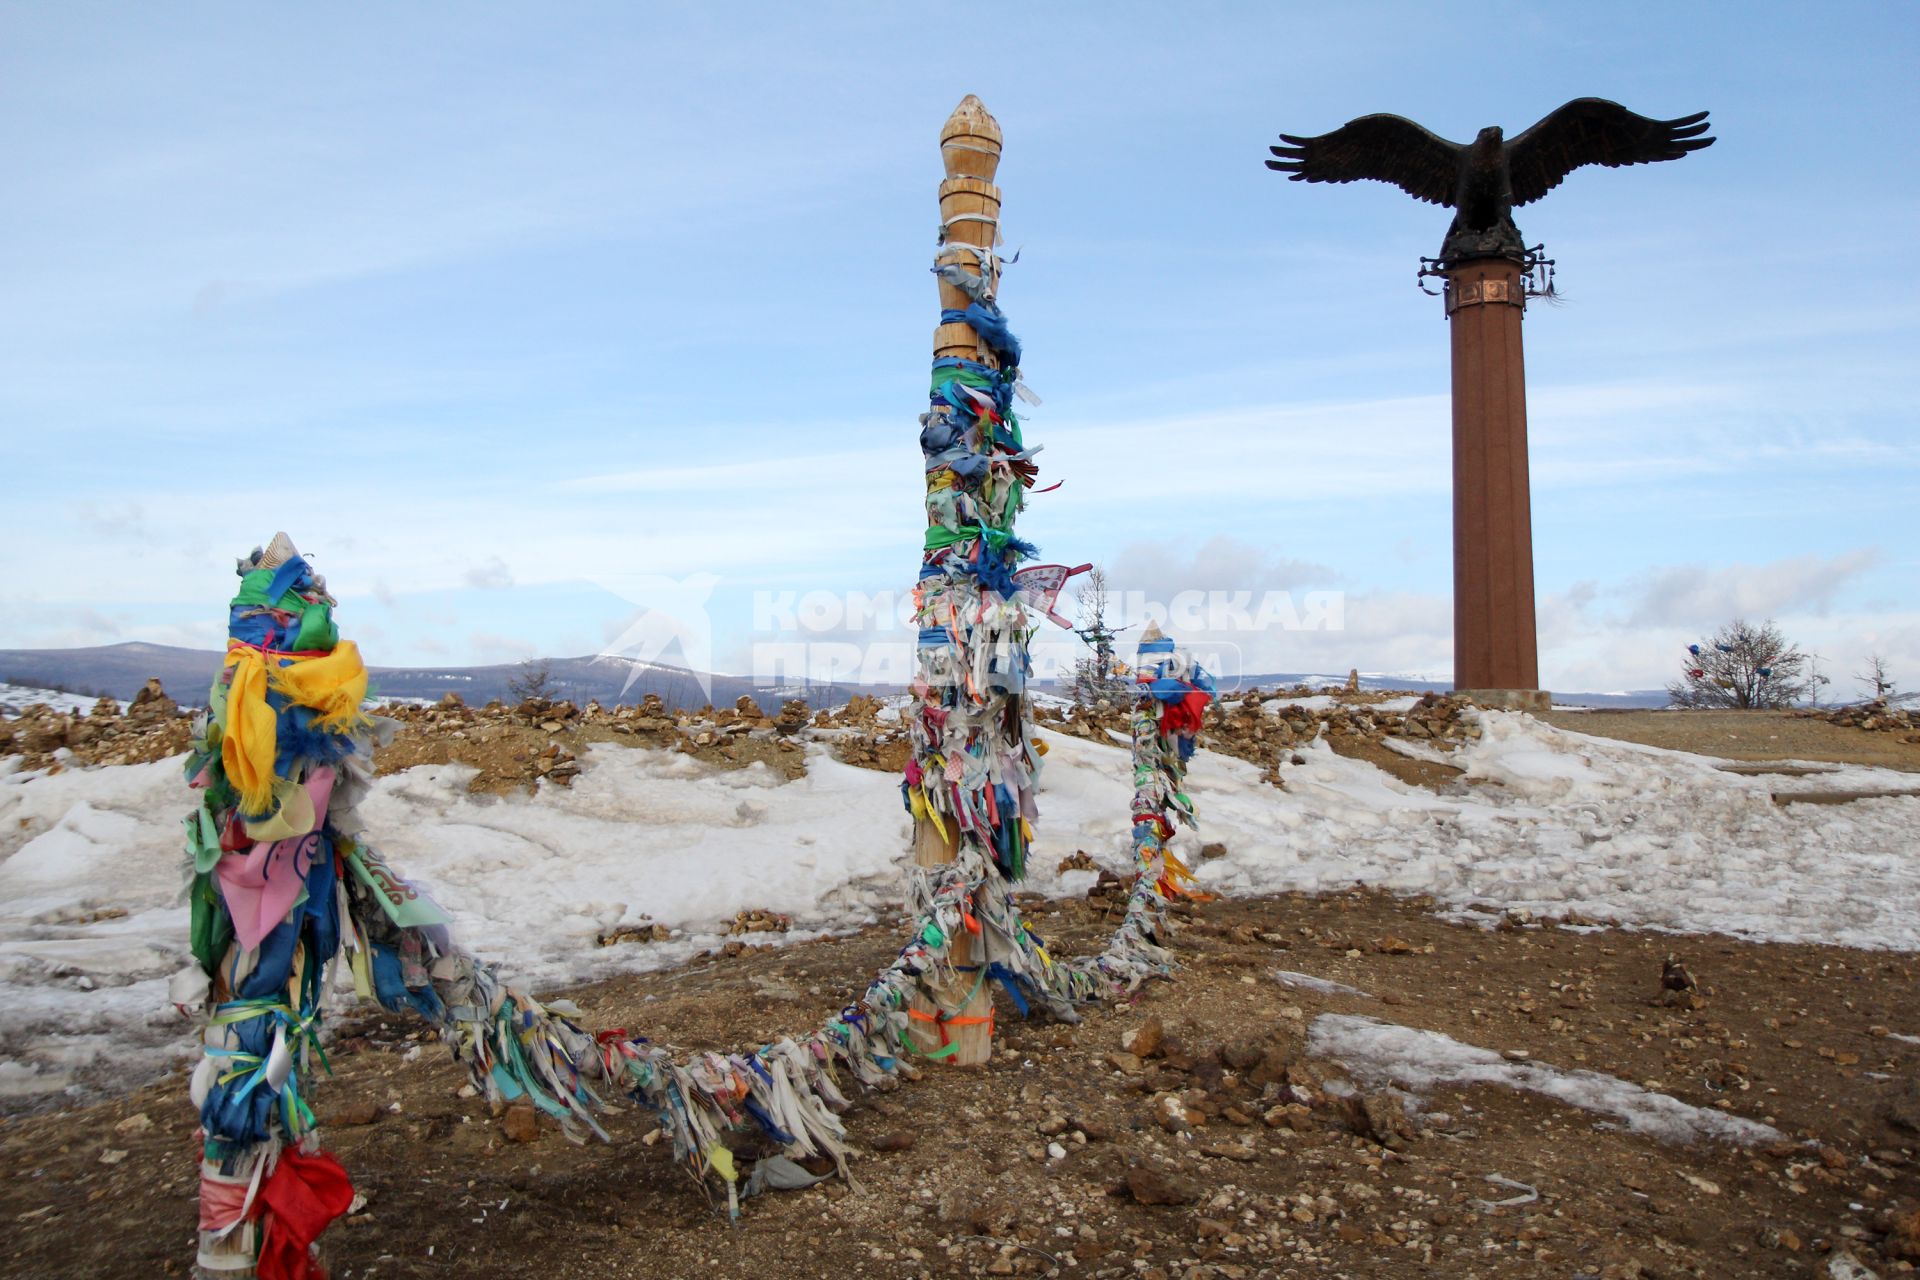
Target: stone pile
(1248, 730)
(1216, 1095)
(151, 728)
(1096, 723)
(860, 736)
(1874, 717)
(861, 712)
(650, 715)
(758, 920)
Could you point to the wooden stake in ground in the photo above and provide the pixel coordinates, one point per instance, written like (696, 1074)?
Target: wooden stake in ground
(955, 1018)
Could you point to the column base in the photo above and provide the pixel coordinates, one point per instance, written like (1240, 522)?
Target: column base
(1535, 701)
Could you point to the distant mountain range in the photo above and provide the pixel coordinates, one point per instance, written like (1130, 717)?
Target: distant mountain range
(119, 670)
(1283, 679)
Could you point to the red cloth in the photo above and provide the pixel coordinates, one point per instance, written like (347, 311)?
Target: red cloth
(1185, 716)
(304, 1194)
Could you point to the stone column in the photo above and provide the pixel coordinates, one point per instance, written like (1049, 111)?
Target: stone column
(1495, 649)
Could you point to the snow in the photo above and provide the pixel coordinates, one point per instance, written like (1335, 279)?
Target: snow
(16, 698)
(1328, 701)
(1548, 820)
(641, 836)
(1325, 986)
(1306, 702)
(1380, 1053)
(1554, 821)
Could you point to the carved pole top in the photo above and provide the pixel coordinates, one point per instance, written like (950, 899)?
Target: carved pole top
(970, 141)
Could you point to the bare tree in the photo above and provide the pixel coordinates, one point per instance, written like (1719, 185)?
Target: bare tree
(1093, 679)
(1877, 680)
(1744, 667)
(1815, 680)
(534, 681)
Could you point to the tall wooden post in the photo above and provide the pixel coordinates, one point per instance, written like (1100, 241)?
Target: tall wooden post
(969, 215)
(1495, 644)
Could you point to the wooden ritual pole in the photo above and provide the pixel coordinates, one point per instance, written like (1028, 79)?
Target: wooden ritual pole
(970, 215)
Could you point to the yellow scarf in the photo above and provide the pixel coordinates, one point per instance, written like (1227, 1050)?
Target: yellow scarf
(333, 685)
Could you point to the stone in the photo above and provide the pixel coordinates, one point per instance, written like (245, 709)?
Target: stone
(1144, 1041)
(1902, 1111)
(1271, 1069)
(152, 703)
(1903, 1234)
(1382, 1119)
(1230, 1151)
(1151, 1186)
(521, 1123)
(1243, 1055)
(898, 1140)
(353, 1114)
(1177, 1056)
(1093, 1130)
(1175, 1116)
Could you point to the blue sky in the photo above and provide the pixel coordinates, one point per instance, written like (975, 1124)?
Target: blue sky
(513, 317)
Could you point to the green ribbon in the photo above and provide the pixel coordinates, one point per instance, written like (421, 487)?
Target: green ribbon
(941, 535)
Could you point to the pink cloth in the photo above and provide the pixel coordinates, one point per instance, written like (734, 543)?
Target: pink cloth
(222, 1204)
(261, 885)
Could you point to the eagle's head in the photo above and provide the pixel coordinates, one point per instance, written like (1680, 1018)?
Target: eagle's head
(1489, 138)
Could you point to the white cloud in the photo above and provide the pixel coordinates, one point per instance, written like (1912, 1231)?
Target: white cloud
(493, 575)
(489, 648)
(1702, 597)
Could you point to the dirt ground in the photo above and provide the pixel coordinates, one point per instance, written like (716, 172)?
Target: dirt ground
(1797, 1036)
(1746, 735)
(1049, 1161)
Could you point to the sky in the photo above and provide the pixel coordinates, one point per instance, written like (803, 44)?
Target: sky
(524, 321)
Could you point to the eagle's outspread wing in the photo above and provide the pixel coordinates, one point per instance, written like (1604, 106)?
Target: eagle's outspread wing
(1382, 147)
(1595, 131)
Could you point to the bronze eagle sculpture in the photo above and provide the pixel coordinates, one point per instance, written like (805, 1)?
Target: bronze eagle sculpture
(1483, 181)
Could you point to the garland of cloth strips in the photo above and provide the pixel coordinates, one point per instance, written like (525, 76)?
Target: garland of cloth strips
(284, 883)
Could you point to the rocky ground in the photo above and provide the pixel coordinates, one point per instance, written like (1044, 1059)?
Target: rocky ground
(1189, 1133)
(149, 728)
(516, 747)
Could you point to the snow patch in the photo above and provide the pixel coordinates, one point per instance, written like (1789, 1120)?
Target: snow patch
(1381, 1053)
(1325, 986)
(16, 698)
